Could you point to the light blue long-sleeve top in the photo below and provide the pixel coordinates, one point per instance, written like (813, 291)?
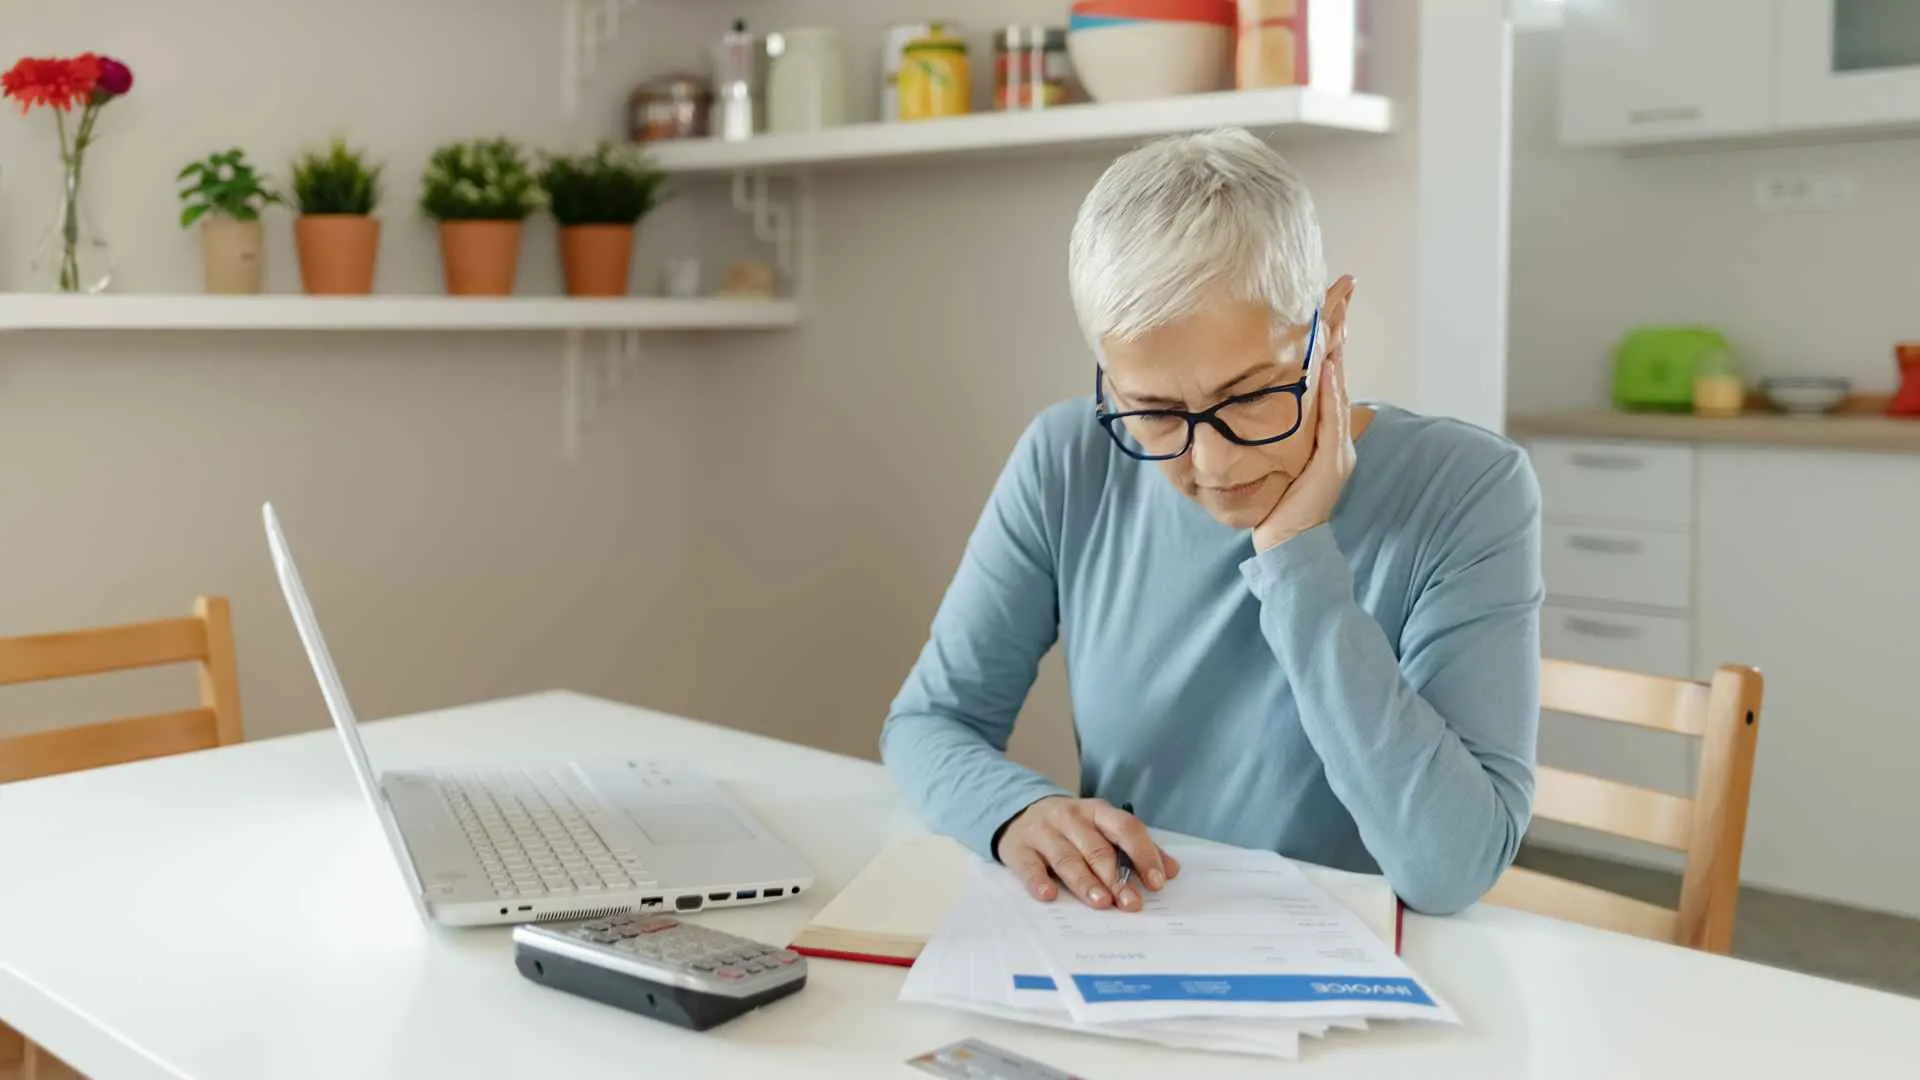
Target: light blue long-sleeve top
(1364, 695)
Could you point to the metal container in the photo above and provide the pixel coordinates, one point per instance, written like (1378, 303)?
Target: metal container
(673, 106)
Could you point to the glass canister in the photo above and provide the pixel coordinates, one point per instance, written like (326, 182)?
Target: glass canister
(1032, 68)
(936, 79)
(1717, 387)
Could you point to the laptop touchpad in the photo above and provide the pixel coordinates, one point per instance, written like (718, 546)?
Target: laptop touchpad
(680, 826)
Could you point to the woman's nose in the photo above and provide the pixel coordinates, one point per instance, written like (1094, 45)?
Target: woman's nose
(1213, 453)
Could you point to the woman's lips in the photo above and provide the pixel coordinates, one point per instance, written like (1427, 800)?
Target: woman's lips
(1237, 491)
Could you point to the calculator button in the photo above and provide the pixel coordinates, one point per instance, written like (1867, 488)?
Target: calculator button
(654, 926)
(782, 959)
(754, 967)
(730, 973)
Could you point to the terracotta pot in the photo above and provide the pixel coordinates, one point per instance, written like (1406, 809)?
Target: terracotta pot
(480, 258)
(596, 259)
(337, 253)
(234, 254)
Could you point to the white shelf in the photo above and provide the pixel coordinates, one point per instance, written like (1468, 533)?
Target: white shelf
(53, 311)
(1267, 112)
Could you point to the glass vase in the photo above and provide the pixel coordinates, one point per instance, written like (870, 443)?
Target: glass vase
(73, 257)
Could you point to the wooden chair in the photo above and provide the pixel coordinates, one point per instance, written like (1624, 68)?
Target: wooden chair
(205, 638)
(1709, 828)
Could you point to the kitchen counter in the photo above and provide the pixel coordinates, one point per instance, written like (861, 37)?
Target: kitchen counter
(1883, 434)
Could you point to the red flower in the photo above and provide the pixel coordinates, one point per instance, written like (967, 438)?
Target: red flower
(116, 78)
(55, 83)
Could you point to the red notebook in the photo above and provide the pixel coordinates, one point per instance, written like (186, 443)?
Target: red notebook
(888, 911)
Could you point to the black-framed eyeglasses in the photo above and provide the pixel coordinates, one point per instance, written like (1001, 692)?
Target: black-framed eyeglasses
(1261, 418)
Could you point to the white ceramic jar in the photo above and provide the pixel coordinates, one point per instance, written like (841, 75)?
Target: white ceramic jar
(807, 86)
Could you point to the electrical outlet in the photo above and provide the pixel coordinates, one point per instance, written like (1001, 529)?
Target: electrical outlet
(1787, 191)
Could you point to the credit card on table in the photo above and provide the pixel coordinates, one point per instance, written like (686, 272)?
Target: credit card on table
(971, 1059)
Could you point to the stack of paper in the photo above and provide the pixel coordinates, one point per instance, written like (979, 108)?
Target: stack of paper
(1241, 952)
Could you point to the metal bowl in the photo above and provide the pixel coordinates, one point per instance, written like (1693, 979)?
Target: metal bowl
(1806, 395)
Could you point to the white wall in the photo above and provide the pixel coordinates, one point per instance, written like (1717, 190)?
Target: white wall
(1604, 241)
(840, 473)
(450, 553)
(761, 527)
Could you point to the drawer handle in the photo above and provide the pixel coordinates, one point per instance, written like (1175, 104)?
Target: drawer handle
(1664, 114)
(1609, 462)
(1602, 545)
(1594, 628)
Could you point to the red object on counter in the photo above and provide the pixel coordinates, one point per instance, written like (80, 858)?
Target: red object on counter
(1906, 402)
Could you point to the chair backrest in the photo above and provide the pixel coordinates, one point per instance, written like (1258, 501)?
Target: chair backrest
(205, 638)
(1709, 828)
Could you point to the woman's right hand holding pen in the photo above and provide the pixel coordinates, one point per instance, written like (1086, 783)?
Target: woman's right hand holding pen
(1078, 842)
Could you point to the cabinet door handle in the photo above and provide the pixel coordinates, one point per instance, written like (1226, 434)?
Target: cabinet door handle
(1594, 628)
(1665, 114)
(1603, 545)
(1609, 462)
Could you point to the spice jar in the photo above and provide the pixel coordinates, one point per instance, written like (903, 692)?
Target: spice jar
(1032, 68)
(935, 78)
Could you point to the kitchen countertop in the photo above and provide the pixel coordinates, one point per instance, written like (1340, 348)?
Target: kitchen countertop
(1839, 432)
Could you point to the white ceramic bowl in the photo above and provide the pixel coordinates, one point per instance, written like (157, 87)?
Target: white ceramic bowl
(1806, 396)
(1138, 61)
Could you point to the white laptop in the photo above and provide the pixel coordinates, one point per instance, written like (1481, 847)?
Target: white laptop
(529, 841)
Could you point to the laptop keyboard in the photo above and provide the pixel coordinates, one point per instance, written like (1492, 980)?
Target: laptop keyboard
(534, 833)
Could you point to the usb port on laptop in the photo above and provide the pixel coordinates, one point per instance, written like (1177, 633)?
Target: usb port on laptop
(746, 894)
(771, 893)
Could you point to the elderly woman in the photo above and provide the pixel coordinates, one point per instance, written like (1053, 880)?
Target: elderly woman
(1291, 623)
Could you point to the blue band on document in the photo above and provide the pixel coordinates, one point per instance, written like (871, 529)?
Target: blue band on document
(1034, 982)
(1099, 989)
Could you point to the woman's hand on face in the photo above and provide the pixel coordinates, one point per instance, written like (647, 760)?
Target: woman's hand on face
(1311, 499)
(1075, 840)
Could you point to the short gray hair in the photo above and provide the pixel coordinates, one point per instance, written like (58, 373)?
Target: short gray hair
(1187, 221)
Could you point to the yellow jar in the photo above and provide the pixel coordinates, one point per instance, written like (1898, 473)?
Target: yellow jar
(935, 79)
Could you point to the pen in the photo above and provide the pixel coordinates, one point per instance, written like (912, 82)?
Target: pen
(1126, 864)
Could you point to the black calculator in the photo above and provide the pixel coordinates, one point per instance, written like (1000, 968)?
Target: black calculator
(658, 966)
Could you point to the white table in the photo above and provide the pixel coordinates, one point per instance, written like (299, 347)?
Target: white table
(233, 915)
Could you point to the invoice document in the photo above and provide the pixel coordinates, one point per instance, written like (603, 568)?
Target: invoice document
(1239, 933)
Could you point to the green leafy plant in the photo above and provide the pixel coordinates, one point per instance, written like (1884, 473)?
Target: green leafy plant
(479, 180)
(337, 182)
(224, 184)
(610, 186)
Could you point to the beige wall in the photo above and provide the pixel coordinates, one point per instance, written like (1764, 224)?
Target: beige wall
(760, 528)
(451, 553)
(1604, 241)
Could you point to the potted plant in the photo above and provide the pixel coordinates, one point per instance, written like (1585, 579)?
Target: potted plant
(599, 199)
(227, 197)
(336, 233)
(480, 192)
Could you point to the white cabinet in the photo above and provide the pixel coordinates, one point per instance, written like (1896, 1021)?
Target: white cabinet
(1617, 555)
(1652, 71)
(1636, 71)
(1809, 569)
(1848, 62)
